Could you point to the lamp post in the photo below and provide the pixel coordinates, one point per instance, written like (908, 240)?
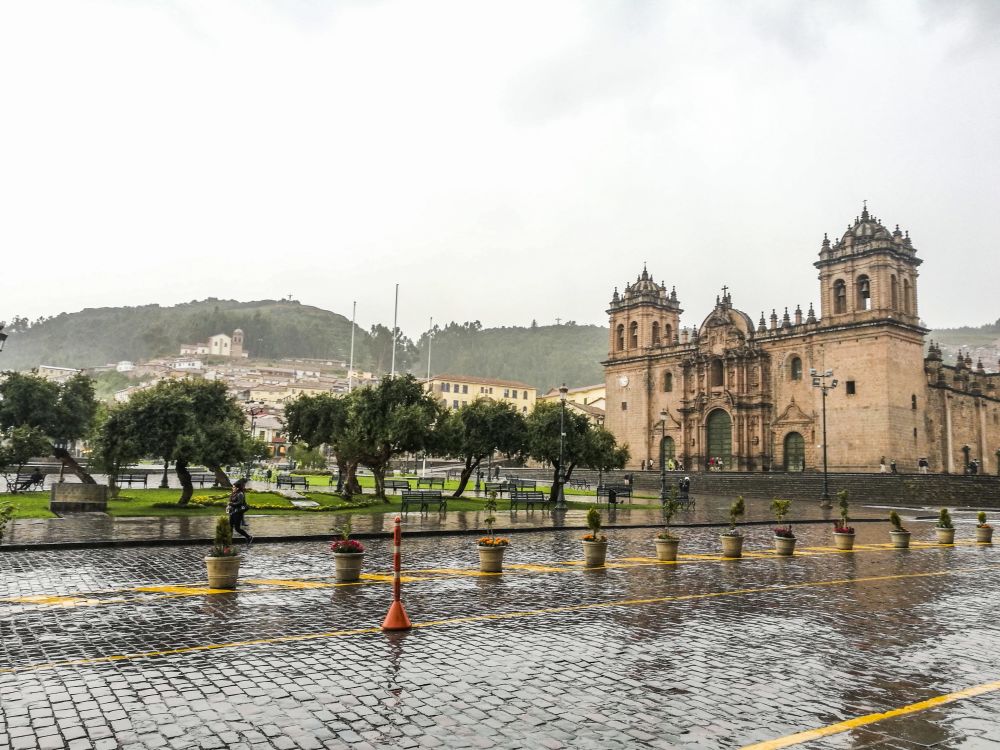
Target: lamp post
(561, 496)
(254, 412)
(819, 381)
(663, 463)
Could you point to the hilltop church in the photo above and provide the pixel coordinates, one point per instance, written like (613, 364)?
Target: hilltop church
(752, 396)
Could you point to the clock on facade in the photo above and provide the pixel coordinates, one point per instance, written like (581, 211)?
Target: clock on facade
(623, 380)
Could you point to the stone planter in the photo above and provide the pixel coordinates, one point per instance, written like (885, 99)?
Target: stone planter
(842, 540)
(223, 571)
(984, 535)
(900, 539)
(945, 536)
(347, 566)
(784, 545)
(732, 545)
(666, 549)
(78, 498)
(491, 558)
(594, 554)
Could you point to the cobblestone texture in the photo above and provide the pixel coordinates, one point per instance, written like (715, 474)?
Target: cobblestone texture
(707, 653)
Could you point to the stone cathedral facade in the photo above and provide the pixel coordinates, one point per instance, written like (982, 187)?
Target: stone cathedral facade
(742, 392)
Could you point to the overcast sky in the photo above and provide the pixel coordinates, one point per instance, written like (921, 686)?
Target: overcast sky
(502, 161)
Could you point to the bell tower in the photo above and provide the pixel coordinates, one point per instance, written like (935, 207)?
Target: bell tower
(645, 318)
(868, 274)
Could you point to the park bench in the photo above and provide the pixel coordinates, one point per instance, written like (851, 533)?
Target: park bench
(620, 492)
(522, 484)
(202, 478)
(397, 484)
(286, 480)
(528, 497)
(497, 487)
(430, 482)
(24, 483)
(579, 484)
(423, 499)
(131, 479)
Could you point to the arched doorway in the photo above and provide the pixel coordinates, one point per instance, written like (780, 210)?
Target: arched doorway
(720, 437)
(795, 452)
(666, 451)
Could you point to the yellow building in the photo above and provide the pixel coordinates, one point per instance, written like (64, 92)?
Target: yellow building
(586, 399)
(455, 391)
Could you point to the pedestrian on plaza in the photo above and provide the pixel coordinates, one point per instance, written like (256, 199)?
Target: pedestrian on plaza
(974, 466)
(685, 487)
(642, 465)
(267, 477)
(237, 507)
(892, 466)
(923, 465)
(881, 466)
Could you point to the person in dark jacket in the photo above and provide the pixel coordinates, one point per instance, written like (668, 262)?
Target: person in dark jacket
(236, 509)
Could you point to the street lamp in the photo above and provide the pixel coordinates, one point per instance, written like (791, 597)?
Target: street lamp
(819, 381)
(561, 496)
(663, 463)
(254, 412)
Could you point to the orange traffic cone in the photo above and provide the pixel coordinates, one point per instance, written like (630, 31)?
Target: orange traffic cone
(397, 618)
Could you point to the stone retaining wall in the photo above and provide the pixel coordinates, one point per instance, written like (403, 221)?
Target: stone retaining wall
(890, 489)
(69, 497)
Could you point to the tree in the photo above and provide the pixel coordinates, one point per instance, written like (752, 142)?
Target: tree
(583, 445)
(476, 430)
(61, 412)
(323, 420)
(19, 446)
(187, 422)
(396, 416)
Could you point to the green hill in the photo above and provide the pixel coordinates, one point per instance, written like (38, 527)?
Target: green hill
(97, 336)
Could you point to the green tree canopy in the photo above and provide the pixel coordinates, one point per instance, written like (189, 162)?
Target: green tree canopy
(476, 430)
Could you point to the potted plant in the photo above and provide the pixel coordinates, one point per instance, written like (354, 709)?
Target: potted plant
(224, 562)
(492, 547)
(843, 532)
(732, 539)
(784, 537)
(984, 532)
(945, 530)
(900, 536)
(348, 555)
(595, 544)
(666, 542)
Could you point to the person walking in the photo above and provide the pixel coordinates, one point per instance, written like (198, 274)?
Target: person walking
(881, 466)
(236, 509)
(892, 466)
(267, 477)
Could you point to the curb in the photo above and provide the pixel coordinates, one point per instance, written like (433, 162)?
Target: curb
(207, 541)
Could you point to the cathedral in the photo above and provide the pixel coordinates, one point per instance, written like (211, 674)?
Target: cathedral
(731, 395)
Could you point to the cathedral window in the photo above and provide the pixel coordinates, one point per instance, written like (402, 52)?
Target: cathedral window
(796, 368)
(668, 381)
(864, 287)
(668, 334)
(894, 284)
(717, 373)
(634, 335)
(620, 337)
(656, 333)
(851, 387)
(913, 401)
(839, 296)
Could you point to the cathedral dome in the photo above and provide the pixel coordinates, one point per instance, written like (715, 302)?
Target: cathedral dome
(866, 228)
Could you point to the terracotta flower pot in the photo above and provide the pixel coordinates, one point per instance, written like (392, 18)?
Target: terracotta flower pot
(595, 553)
(223, 571)
(842, 540)
(784, 545)
(984, 535)
(945, 536)
(732, 545)
(900, 539)
(347, 566)
(491, 557)
(666, 549)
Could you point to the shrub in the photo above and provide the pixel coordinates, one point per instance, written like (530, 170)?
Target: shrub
(981, 517)
(223, 546)
(842, 502)
(345, 545)
(896, 521)
(944, 519)
(736, 511)
(594, 524)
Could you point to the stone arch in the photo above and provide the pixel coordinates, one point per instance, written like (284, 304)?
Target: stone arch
(668, 381)
(633, 335)
(794, 452)
(668, 334)
(840, 296)
(620, 337)
(667, 450)
(863, 287)
(719, 437)
(656, 333)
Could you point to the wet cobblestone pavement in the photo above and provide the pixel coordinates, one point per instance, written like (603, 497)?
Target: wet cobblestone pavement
(98, 528)
(126, 648)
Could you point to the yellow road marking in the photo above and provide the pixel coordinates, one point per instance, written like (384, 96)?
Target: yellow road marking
(288, 584)
(534, 568)
(485, 618)
(59, 601)
(843, 726)
(181, 590)
(387, 578)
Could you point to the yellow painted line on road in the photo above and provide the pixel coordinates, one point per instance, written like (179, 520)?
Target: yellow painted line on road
(180, 590)
(487, 618)
(59, 601)
(284, 583)
(844, 726)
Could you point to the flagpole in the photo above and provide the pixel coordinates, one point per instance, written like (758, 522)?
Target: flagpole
(430, 339)
(395, 318)
(350, 369)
